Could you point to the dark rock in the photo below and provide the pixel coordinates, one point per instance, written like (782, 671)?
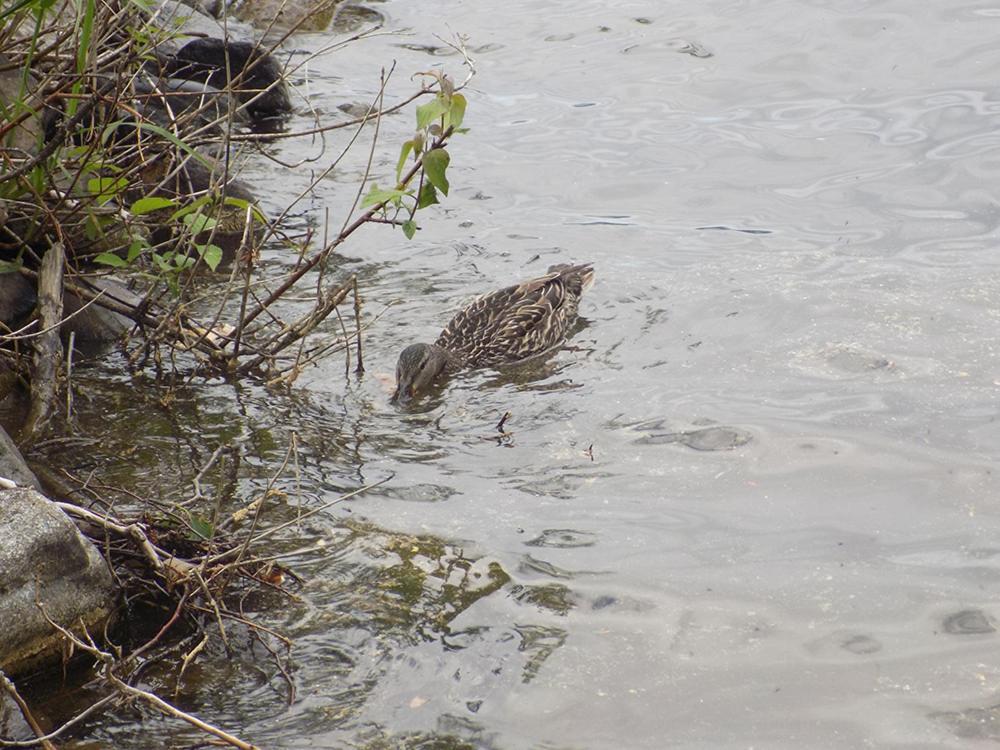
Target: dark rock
(242, 67)
(17, 298)
(88, 323)
(176, 102)
(93, 323)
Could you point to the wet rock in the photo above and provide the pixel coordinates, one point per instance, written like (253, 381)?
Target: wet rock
(563, 539)
(242, 67)
(707, 439)
(221, 56)
(303, 17)
(968, 622)
(553, 597)
(211, 8)
(193, 19)
(174, 103)
(44, 559)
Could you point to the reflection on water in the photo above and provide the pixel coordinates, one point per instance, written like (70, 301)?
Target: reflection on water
(753, 504)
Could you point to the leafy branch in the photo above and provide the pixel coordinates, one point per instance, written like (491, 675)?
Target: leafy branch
(437, 120)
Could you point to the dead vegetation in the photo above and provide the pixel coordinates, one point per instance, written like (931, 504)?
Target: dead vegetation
(118, 194)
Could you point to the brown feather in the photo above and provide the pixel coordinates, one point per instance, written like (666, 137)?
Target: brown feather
(520, 321)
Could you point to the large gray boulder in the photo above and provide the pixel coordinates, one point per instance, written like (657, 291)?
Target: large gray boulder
(44, 559)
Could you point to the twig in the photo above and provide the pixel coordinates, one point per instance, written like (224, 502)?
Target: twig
(109, 663)
(357, 327)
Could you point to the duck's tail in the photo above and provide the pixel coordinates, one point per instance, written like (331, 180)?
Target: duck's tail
(583, 271)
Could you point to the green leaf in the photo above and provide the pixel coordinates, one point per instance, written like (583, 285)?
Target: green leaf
(9, 266)
(243, 203)
(409, 228)
(38, 179)
(163, 262)
(135, 250)
(93, 227)
(106, 188)
(110, 259)
(183, 262)
(211, 254)
(86, 31)
(377, 195)
(457, 112)
(151, 203)
(428, 196)
(403, 153)
(201, 527)
(199, 222)
(190, 208)
(435, 164)
(428, 113)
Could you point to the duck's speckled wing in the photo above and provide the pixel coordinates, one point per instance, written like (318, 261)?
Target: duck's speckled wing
(520, 321)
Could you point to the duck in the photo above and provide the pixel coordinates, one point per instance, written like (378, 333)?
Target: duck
(504, 327)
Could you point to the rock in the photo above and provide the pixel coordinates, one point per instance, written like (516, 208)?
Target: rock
(17, 298)
(44, 559)
(277, 17)
(204, 50)
(93, 324)
(187, 20)
(175, 102)
(12, 464)
(23, 139)
(242, 67)
(96, 324)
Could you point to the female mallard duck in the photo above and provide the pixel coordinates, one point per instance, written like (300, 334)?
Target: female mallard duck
(500, 328)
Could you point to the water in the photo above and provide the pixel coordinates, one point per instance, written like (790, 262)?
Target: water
(754, 505)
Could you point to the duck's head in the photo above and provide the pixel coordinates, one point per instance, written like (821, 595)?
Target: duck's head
(419, 365)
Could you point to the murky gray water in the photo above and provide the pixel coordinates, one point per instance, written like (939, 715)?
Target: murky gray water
(755, 505)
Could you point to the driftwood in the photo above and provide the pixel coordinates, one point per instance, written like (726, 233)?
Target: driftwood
(48, 346)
